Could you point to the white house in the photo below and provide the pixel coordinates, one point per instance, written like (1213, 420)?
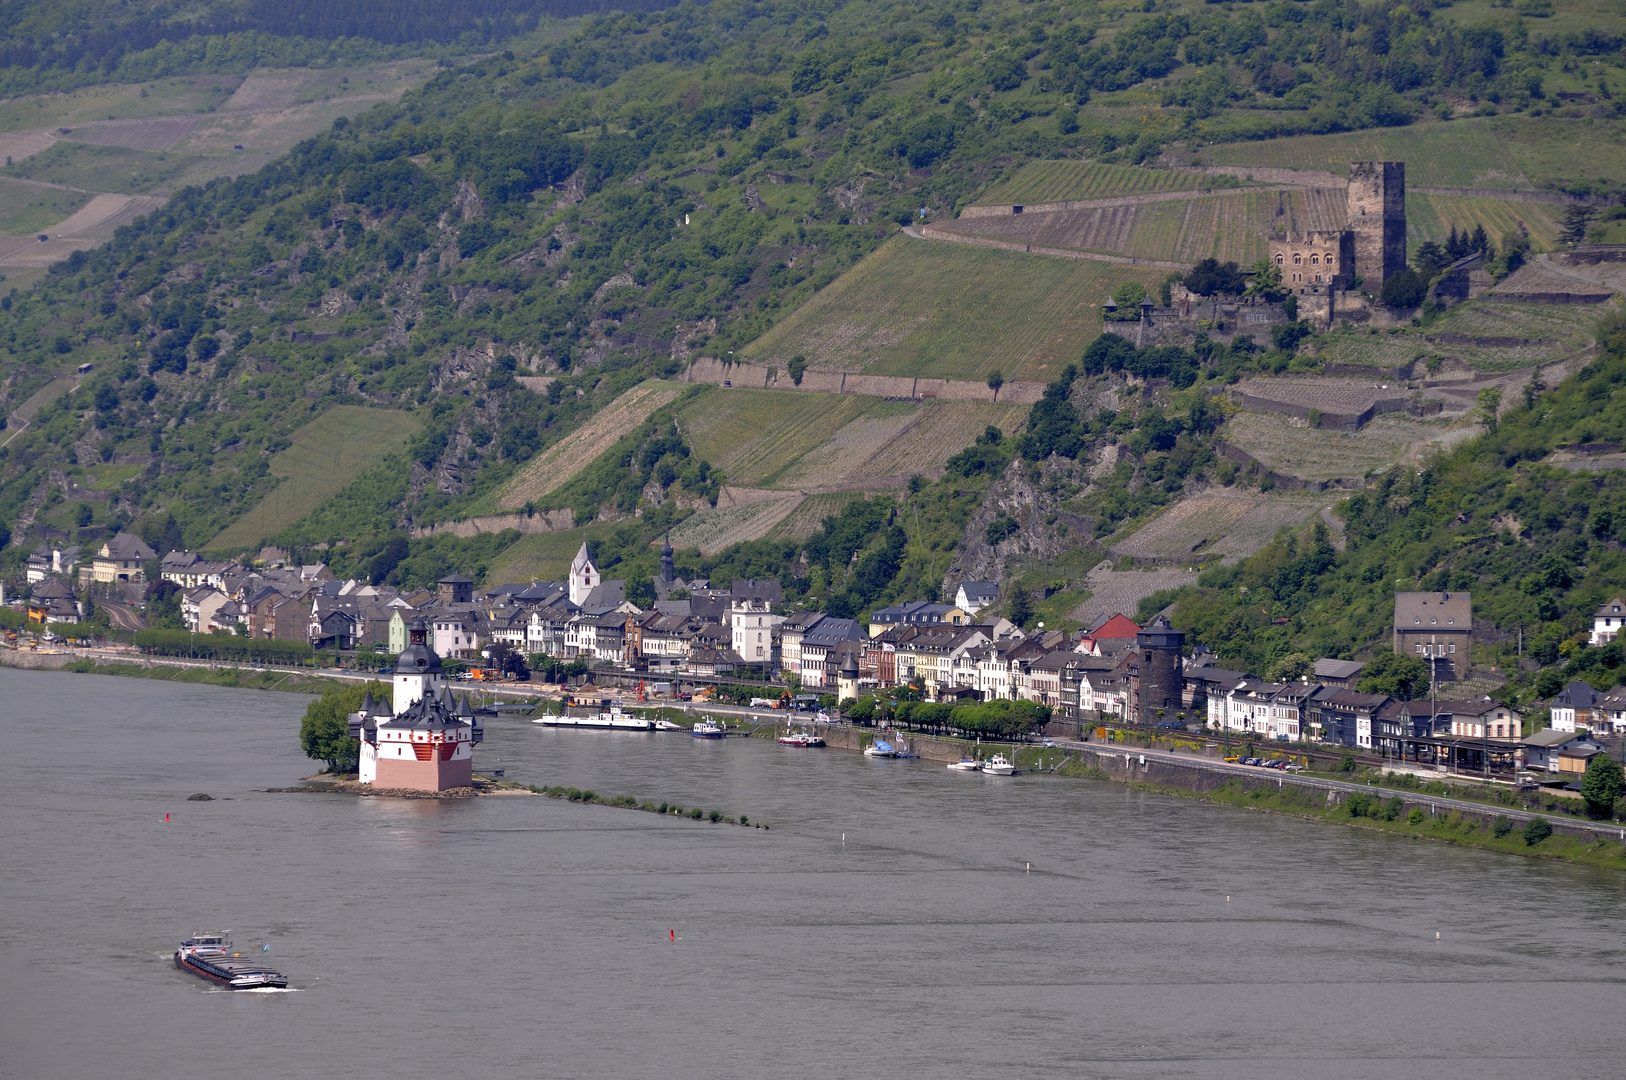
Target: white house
(1573, 707)
(753, 627)
(973, 596)
(455, 634)
(1607, 622)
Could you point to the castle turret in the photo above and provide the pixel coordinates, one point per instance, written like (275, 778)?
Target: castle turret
(417, 669)
(668, 570)
(1377, 218)
(1159, 685)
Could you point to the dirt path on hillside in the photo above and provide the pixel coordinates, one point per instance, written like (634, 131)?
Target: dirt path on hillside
(937, 232)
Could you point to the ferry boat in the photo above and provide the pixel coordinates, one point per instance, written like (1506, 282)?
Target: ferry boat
(966, 765)
(209, 956)
(801, 738)
(609, 718)
(999, 765)
(708, 729)
(880, 748)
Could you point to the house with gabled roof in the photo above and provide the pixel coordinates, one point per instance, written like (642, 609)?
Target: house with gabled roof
(121, 558)
(1607, 622)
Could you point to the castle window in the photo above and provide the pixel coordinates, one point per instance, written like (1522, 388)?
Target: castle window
(1297, 259)
(1330, 259)
(1278, 260)
(1315, 260)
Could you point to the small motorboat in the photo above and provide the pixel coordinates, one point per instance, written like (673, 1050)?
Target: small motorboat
(667, 725)
(966, 765)
(999, 765)
(801, 738)
(881, 748)
(708, 729)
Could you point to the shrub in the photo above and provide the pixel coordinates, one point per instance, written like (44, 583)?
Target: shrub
(1392, 808)
(715, 816)
(1538, 830)
(1501, 826)
(696, 814)
(1415, 817)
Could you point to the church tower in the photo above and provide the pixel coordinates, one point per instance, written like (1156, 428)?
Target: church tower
(1377, 218)
(584, 577)
(668, 570)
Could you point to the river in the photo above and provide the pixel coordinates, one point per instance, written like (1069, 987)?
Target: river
(896, 920)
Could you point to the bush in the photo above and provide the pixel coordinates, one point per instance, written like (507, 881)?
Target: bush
(1415, 817)
(1501, 826)
(1392, 808)
(1538, 830)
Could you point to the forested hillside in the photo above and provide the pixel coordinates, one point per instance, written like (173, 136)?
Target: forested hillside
(596, 212)
(1540, 547)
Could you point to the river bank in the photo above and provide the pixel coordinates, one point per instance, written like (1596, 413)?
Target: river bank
(1418, 815)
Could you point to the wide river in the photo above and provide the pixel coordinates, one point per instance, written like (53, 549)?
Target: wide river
(897, 920)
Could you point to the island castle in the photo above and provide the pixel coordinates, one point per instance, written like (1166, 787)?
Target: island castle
(423, 740)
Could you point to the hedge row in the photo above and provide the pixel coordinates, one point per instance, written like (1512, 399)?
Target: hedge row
(221, 647)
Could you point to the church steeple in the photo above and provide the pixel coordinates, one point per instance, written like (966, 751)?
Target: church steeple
(584, 576)
(668, 572)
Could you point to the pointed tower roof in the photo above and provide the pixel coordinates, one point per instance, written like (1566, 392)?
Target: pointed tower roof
(367, 704)
(463, 706)
(581, 560)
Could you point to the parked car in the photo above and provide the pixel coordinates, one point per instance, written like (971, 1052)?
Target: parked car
(1292, 767)
(1233, 759)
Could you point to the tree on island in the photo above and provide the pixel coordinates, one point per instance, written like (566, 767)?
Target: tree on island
(324, 733)
(1400, 675)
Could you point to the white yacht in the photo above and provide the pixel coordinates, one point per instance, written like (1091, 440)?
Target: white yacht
(880, 748)
(966, 765)
(999, 765)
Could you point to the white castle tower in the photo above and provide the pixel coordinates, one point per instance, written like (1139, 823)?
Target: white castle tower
(584, 577)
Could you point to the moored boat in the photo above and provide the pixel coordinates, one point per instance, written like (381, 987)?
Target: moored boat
(610, 719)
(966, 765)
(999, 765)
(210, 956)
(801, 738)
(667, 725)
(708, 729)
(881, 748)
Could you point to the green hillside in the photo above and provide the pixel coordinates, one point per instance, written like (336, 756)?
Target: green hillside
(323, 458)
(926, 308)
(509, 249)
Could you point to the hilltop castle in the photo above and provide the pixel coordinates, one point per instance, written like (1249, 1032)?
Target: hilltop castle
(1371, 247)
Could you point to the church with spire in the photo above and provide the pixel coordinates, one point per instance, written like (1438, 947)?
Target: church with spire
(423, 740)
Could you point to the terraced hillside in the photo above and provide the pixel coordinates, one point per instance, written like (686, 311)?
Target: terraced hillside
(1291, 447)
(779, 448)
(924, 308)
(1502, 153)
(1064, 181)
(1220, 524)
(325, 456)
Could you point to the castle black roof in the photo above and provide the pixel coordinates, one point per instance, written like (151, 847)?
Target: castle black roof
(417, 658)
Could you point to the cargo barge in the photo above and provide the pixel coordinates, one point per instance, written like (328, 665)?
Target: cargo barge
(209, 956)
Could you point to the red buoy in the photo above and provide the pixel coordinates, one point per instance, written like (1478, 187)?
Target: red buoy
(674, 935)
(166, 817)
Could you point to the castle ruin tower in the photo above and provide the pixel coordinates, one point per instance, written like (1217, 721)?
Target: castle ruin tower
(1160, 672)
(1377, 218)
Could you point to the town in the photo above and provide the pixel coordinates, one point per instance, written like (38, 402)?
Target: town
(741, 634)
